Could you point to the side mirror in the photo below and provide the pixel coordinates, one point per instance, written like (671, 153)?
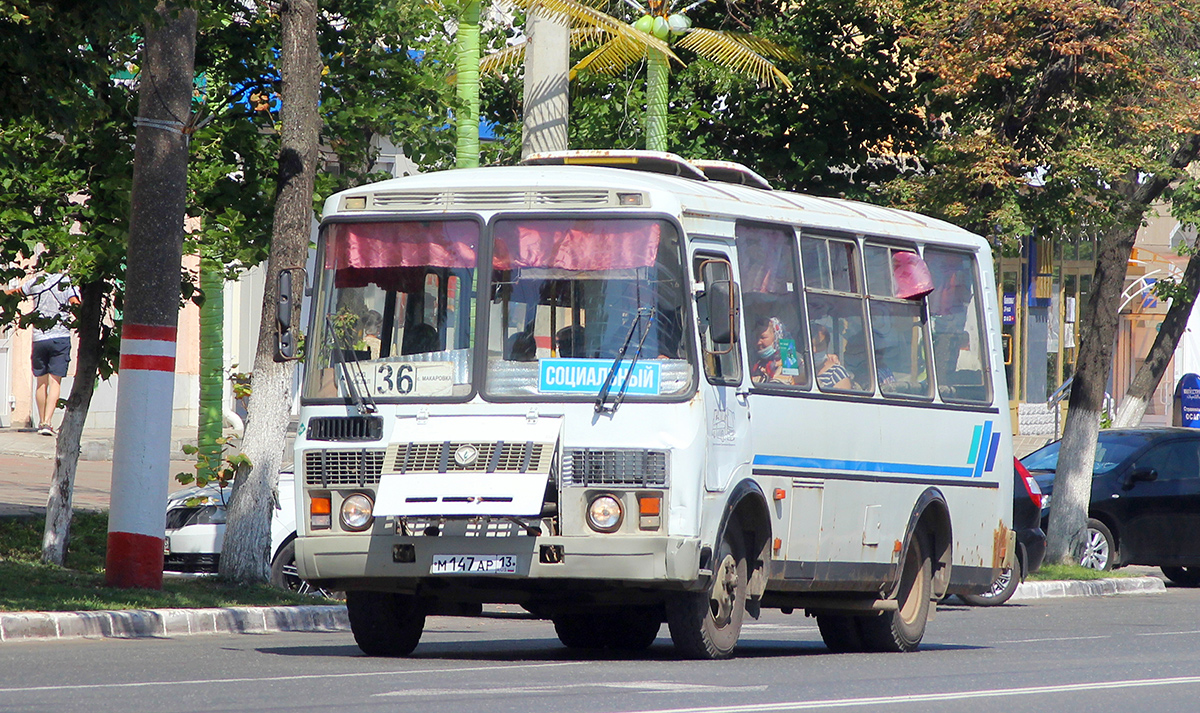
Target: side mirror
(285, 343)
(721, 324)
(1141, 475)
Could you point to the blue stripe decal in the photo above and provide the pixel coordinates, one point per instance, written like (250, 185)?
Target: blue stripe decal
(984, 443)
(992, 452)
(974, 446)
(862, 466)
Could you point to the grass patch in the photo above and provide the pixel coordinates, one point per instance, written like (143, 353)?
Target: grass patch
(26, 584)
(1051, 572)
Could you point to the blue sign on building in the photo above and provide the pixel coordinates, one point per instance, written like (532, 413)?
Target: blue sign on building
(1187, 401)
(1008, 312)
(586, 376)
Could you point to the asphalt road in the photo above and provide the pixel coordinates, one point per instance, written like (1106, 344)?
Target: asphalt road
(1124, 653)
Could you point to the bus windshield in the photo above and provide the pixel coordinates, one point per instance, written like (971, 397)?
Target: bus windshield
(567, 295)
(394, 305)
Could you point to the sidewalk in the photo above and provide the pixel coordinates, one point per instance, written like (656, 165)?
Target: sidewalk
(27, 466)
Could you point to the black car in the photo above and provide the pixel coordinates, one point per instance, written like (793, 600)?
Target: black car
(1031, 540)
(1145, 506)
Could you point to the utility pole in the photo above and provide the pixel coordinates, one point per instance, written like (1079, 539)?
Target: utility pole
(141, 451)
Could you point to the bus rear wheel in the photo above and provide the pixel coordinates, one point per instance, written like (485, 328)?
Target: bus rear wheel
(901, 630)
(385, 623)
(706, 625)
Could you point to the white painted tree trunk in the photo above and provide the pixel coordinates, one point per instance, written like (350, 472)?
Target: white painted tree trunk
(245, 555)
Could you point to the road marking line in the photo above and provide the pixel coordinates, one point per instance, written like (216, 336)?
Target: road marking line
(641, 686)
(932, 697)
(299, 677)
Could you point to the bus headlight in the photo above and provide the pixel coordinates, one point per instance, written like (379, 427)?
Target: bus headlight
(356, 512)
(604, 513)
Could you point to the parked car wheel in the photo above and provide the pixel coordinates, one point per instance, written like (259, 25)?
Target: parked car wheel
(1183, 576)
(1100, 549)
(285, 576)
(1001, 591)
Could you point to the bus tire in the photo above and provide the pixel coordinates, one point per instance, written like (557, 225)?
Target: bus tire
(902, 630)
(840, 633)
(578, 630)
(706, 625)
(384, 623)
(634, 628)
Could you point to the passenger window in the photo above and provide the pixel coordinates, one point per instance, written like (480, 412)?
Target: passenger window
(776, 343)
(841, 359)
(898, 330)
(1177, 460)
(960, 356)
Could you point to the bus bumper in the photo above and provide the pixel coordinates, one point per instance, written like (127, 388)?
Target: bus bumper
(629, 559)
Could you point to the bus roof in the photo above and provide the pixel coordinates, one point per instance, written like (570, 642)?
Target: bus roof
(600, 188)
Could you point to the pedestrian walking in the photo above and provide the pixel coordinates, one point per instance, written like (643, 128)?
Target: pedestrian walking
(52, 296)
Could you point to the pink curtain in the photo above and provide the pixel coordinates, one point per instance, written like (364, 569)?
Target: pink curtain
(359, 246)
(576, 245)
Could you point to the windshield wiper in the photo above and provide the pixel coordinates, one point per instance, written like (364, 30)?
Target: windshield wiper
(602, 397)
(364, 404)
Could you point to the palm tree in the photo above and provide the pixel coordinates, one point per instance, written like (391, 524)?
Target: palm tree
(596, 24)
(738, 52)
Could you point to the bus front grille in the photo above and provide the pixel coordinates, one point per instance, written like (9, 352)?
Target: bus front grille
(328, 468)
(493, 457)
(615, 466)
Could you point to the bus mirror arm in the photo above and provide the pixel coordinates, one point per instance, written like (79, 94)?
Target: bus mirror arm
(285, 343)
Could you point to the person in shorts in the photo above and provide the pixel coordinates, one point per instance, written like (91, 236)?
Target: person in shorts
(52, 296)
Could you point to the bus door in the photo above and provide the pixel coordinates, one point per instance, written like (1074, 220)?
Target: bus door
(727, 413)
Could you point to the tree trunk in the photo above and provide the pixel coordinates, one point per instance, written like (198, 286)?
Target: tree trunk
(1076, 458)
(1145, 382)
(466, 66)
(56, 537)
(245, 555)
(142, 447)
(212, 372)
(546, 85)
(657, 72)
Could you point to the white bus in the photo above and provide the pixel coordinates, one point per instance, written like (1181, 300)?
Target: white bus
(621, 389)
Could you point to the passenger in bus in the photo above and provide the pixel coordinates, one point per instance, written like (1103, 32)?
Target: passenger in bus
(776, 360)
(569, 341)
(831, 375)
(420, 338)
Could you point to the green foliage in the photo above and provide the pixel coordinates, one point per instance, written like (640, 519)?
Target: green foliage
(1055, 572)
(1042, 116)
(219, 469)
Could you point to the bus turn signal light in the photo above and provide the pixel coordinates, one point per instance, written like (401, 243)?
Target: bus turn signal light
(649, 513)
(780, 493)
(320, 513)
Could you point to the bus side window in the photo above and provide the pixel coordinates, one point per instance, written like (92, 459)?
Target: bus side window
(960, 357)
(716, 310)
(898, 328)
(775, 338)
(836, 315)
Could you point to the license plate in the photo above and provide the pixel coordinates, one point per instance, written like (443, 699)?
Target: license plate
(473, 564)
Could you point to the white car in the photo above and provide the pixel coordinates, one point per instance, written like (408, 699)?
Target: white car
(196, 528)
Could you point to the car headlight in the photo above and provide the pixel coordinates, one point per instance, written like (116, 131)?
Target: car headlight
(604, 513)
(356, 512)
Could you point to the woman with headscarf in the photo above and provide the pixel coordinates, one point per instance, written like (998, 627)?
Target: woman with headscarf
(772, 344)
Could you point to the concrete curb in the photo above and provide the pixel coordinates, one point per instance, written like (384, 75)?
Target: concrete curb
(141, 623)
(1094, 588)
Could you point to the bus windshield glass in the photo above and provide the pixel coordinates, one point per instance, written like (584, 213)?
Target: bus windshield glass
(567, 296)
(394, 306)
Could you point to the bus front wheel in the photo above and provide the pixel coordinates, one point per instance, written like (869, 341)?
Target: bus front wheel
(706, 625)
(384, 623)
